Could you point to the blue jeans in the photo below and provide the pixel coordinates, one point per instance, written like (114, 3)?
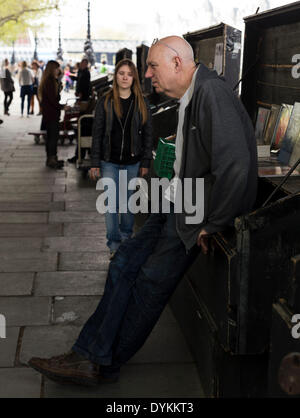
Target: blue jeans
(119, 227)
(141, 278)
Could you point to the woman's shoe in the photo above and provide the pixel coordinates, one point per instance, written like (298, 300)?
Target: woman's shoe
(72, 160)
(52, 162)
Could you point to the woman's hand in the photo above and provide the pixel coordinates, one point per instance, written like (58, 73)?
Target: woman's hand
(144, 171)
(94, 173)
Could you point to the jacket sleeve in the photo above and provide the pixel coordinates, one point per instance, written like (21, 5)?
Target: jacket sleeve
(98, 133)
(223, 133)
(147, 135)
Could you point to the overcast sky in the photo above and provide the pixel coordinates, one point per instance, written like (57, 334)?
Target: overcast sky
(143, 21)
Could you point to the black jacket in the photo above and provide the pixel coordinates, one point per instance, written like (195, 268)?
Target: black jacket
(141, 135)
(219, 145)
(83, 85)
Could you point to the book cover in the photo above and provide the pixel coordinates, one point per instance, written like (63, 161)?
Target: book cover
(261, 122)
(281, 126)
(270, 127)
(291, 135)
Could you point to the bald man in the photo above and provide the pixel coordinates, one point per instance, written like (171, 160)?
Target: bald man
(215, 141)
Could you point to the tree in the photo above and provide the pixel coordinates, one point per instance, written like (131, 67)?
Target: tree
(18, 15)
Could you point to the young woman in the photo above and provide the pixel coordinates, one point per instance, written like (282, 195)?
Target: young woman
(49, 98)
(7, 86)
(26, 83)
(37, 76)
(122, 140)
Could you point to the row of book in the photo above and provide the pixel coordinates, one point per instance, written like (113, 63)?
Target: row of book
(279, 127)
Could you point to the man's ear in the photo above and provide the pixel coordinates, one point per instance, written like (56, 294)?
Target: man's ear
(178, 64)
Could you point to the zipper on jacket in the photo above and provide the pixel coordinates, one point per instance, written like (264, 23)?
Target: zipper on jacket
(123, 130)
(131, 133)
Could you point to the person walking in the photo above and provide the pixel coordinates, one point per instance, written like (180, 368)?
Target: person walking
(49, 95)
(215, 141)
(7, 86)
(83, 85)
(37, 76)
(122, 140)
(26, 83)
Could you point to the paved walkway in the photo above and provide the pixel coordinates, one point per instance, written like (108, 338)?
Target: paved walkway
(53, 263)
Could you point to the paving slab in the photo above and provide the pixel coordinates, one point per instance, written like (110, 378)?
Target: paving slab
(23, 311)
(8, 347)
(84, 261)
(77, 196)
(68, 244)
(74, 310)
(31, 206)
(47, 341)
(83, 206)
(137, 381)
(19, 174)
(27, 261)
(37, 152)
(23, 218)
(76, 217)
(38, 163)
(30, 230)
(74, 186)
(67, 180)
(27, 182)
(25, 197)
(20, 383)
(16, 284)
(30, 171)
(65, 283)
(11, 245)
(85, 230)
(32, 189)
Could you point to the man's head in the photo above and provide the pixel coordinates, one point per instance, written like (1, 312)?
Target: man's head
(84, 63)
(170, 65)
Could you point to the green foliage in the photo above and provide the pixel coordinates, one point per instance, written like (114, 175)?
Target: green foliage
(18, 15)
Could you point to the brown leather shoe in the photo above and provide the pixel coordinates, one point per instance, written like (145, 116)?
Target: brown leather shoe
(67, 369)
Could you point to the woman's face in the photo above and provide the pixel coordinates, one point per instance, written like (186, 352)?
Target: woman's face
(124, 77)
(56, 72)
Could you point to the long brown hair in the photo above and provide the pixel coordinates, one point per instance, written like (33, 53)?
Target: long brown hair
(135, 88)
(48, 74)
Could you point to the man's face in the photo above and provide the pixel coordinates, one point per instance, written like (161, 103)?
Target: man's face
(83, 65)
(161, 71)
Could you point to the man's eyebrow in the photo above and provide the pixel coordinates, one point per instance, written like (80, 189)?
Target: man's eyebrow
(151, 63)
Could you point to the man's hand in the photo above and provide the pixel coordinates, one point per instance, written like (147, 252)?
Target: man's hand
(94, 173)
(144, 171)
(202, 241)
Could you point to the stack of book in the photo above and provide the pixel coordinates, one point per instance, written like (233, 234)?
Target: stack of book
(278, 126)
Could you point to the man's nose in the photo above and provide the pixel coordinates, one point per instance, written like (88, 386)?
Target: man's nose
(148, 73)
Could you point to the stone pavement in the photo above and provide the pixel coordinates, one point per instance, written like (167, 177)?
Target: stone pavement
(53, 263)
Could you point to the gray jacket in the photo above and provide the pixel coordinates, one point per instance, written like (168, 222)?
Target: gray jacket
(219, 145)
(7, 83)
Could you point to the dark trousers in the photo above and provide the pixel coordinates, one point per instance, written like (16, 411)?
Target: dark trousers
(8, 97)
(141, 279)
(26, 91)
(52, 129)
